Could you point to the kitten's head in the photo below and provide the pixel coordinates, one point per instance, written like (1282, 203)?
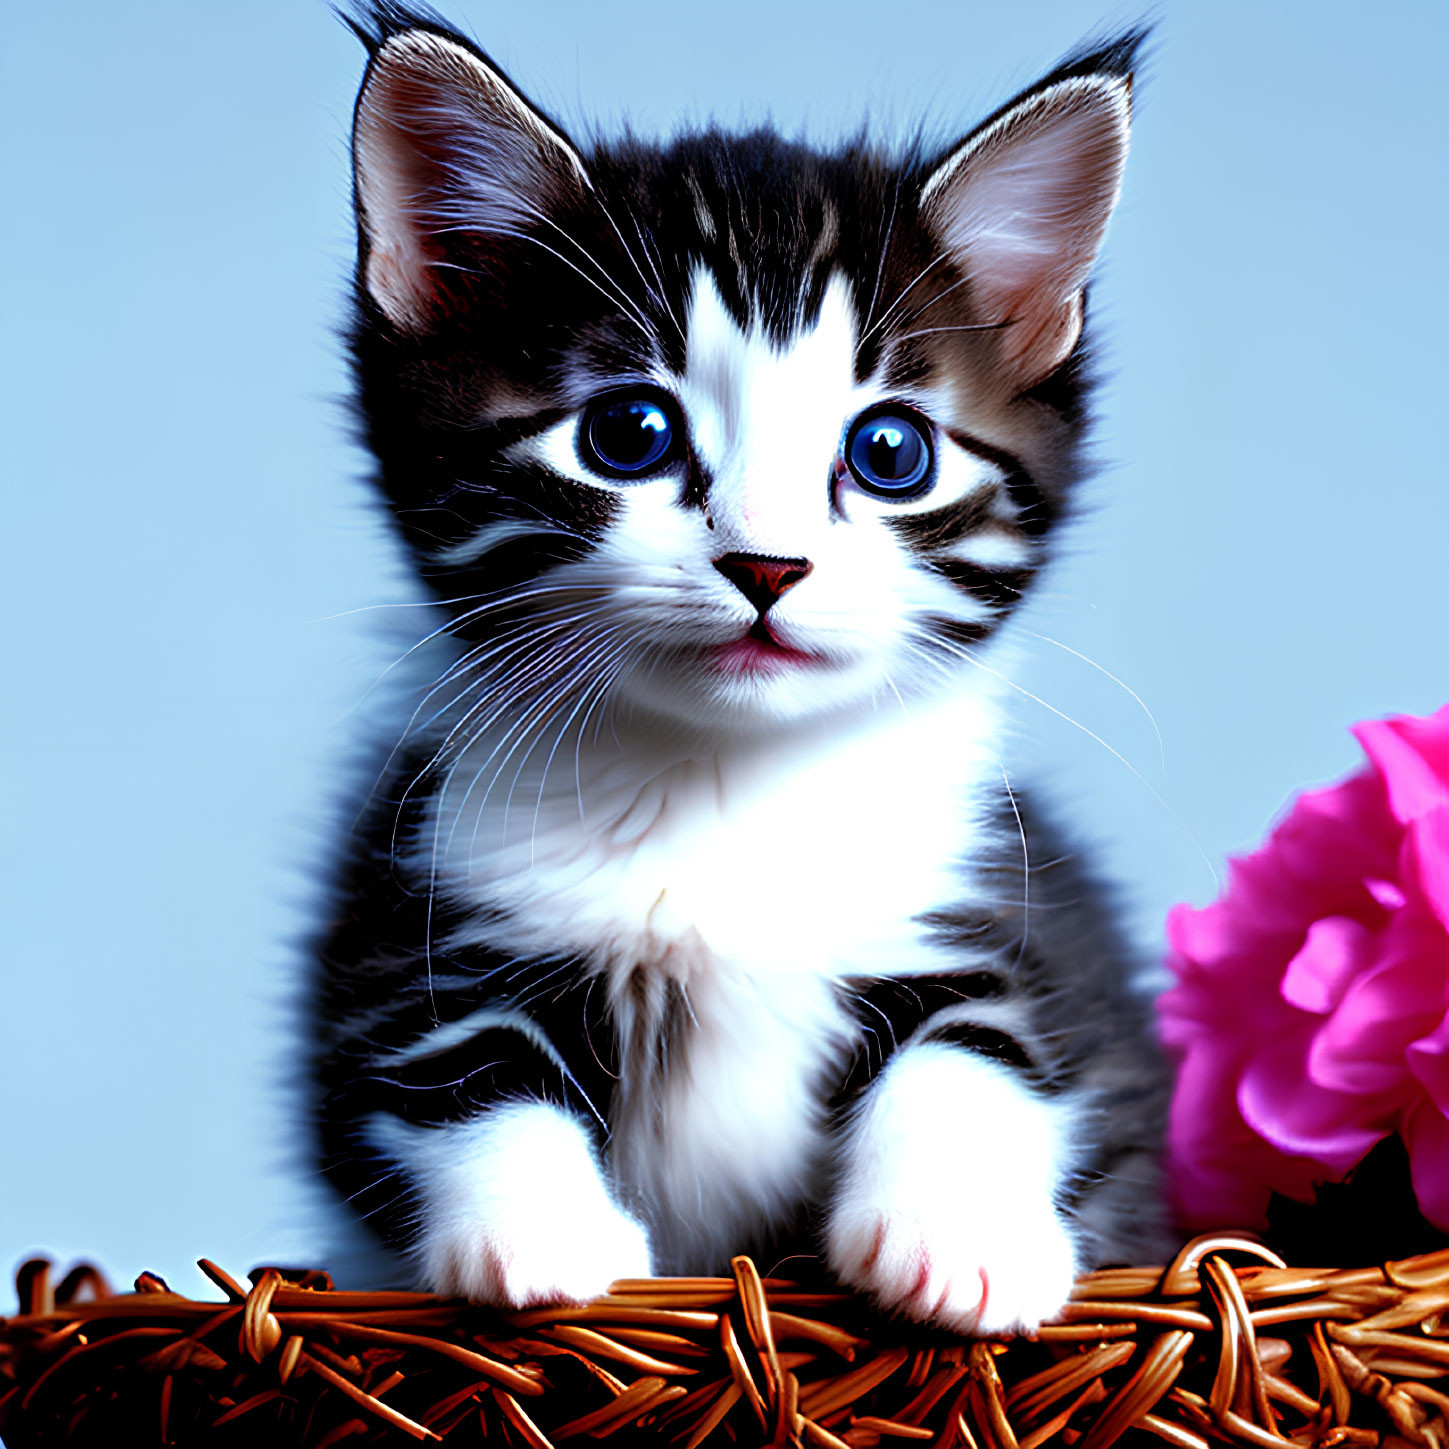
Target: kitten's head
(728, 430)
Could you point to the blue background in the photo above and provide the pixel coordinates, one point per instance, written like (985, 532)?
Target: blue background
(187, 536)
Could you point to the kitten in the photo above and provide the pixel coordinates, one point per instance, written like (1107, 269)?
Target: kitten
(695, 913)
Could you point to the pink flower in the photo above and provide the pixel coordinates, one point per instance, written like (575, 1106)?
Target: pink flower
(1311, 1013)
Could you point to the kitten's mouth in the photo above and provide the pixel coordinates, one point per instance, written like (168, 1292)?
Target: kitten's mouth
(758, 651)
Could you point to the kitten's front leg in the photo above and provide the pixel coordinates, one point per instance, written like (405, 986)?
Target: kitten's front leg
(945, 1208)
(514, 1207)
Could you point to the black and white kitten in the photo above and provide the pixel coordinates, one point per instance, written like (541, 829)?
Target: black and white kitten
(695, 914)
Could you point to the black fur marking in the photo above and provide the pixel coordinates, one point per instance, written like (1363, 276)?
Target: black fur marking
(697, 483)
(942, 527)
(984, 1041)
(891, 1009)
(959, 632)
(570, 519)
(1035, 512)
(498, 1064)
(998, 587)
(904, 1002)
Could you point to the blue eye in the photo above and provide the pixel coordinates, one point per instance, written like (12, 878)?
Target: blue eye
(627, 436)
(889, 453)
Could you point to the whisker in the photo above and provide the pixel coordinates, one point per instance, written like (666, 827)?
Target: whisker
(408, 604)
(625, 663)
(940, 296)
(1077, 724)
(961, 327)
(900, 297)
(658, 276)
(891, 682)
(598, 657)
(490, 660)
(440, 804)
(603, 271)
(620, 300)
(564, 616)
(501, 687)
(499, 599)
(658, 297)
(1161, 748)
(596, 690)
(541, 216)
(475, 658)
(520, 727)
(537, 720)
(1025, 868)
(885, 247)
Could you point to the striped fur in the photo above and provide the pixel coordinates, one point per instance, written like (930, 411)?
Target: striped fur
(703, 904)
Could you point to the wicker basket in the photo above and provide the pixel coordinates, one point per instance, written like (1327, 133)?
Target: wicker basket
(1224, 1346)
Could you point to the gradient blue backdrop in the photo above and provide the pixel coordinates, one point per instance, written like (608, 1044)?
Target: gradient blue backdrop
(186, 533)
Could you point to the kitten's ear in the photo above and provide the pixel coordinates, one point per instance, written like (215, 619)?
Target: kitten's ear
(1022, 207)
(446, 156)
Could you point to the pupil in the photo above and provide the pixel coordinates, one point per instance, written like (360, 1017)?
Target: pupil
(892, 452)
(631, 434)
(890, 455)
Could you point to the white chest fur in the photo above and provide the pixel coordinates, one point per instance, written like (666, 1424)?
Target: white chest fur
(749, 880)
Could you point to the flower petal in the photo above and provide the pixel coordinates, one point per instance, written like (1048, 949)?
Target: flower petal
(1386, 893)
(1426, 1135)
(1332, 953)
(1426, 864)
(1412, 755)
(1428, 1060)
(1301, 1120)
(1359, 1050)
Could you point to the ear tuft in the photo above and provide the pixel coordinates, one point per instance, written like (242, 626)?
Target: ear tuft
(1022, 206)
(446, 154)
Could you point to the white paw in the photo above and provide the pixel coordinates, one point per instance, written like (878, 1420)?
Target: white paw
(945, 1207)
(547, 1253)
(965, 1270)
(514, 1210)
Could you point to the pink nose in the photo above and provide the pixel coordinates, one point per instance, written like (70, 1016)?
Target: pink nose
(762, 580)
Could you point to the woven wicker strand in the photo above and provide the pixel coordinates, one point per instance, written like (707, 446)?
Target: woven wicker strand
(1224, 1346)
